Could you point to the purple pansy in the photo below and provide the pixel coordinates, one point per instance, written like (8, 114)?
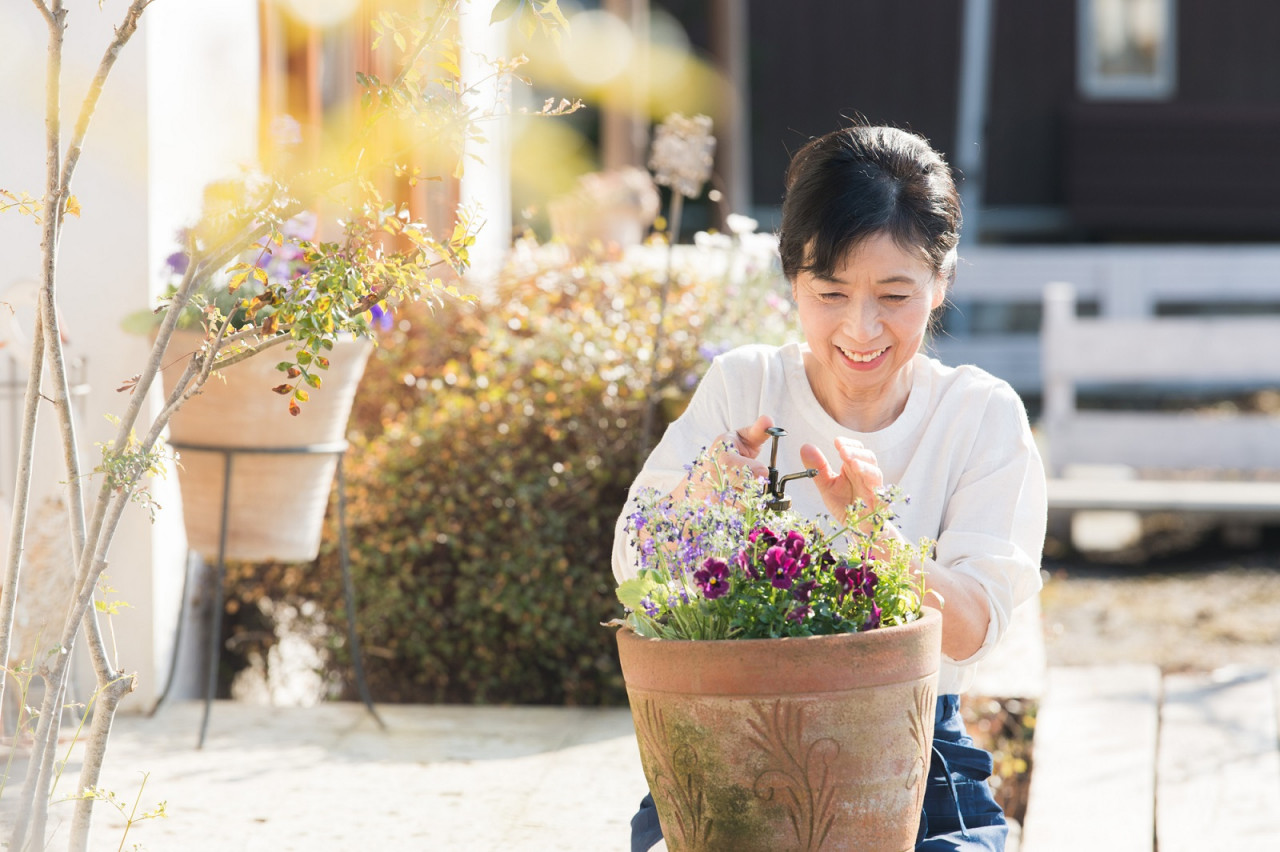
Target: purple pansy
(802, 591)
(860, 580)
(780, 567)
(712, 578)
(873, 620)
(799, 613)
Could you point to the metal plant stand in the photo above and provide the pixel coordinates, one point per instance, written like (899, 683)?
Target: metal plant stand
(338, 449)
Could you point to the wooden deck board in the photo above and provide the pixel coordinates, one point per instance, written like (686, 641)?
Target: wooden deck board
(1093, 781)
(1128, 761)
(1213, 497)
(1219, 768)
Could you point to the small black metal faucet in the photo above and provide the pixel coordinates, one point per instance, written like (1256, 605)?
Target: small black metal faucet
(778, 501)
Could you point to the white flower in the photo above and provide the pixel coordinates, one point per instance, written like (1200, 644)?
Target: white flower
(682, 153)
(740, 225)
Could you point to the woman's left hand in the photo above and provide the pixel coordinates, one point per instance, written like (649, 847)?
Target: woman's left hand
(857, 477)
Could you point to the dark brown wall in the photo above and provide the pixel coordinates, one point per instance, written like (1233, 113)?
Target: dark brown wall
(1041, 135)
(1032, 78)
(1229, 52)
(814, 61)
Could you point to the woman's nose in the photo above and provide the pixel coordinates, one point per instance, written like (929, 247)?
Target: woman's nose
(862, 320)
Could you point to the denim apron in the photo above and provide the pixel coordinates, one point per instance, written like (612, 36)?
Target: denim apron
(960, 814)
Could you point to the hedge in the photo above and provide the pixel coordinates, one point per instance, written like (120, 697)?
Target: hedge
(493, 444)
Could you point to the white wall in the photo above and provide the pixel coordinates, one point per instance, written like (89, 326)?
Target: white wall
(179, 109)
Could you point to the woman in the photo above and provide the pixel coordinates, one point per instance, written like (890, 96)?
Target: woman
(870, 224)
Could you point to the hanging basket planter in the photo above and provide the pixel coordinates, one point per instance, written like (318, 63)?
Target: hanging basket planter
(813, 743)
(278, 500)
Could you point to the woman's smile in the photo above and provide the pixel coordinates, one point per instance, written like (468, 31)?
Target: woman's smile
(864, 360)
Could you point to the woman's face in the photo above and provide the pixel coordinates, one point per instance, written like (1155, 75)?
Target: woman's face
(865, 324)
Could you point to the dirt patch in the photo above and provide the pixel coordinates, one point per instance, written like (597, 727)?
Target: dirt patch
(1196, 608)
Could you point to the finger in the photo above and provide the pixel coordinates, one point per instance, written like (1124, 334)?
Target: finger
(849, 449)
(860, 466)
(812, 457)
(751, 439)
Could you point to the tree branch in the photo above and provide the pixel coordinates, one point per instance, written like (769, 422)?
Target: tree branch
(124, 32)
(21, 500)
(46, 12)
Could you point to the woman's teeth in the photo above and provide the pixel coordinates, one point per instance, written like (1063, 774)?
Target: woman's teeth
(861, 357)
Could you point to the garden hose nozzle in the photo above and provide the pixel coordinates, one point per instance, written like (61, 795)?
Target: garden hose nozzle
(778, 501)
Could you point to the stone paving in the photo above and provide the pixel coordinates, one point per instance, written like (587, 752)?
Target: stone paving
(327, 778)
(447, 778)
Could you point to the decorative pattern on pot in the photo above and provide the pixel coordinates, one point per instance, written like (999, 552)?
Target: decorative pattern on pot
(800, 773)
(670, 772)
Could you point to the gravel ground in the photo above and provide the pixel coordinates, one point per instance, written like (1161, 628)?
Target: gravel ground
(1187, 598)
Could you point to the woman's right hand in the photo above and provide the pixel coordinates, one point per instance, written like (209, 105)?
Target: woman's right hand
(740, 448)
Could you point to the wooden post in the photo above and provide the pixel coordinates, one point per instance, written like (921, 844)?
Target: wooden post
(624, 128)
(1059, 388)
(733, 140)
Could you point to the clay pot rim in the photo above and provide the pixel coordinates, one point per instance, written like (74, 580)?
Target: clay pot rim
(800, 664)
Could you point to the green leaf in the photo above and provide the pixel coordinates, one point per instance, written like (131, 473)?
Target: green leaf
(635, 590)
(505, 9)
(284, 366)
(312, 380)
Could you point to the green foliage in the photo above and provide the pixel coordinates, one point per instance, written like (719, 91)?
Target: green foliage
(127, 810)
(495, 445)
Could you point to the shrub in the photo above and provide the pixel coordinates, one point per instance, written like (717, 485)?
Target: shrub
(493, 447)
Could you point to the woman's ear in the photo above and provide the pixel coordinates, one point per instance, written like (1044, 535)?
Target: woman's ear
(941, 283)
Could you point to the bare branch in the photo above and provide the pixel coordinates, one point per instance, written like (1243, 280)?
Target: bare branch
(21, 500)
(124, 32)
(46, 12)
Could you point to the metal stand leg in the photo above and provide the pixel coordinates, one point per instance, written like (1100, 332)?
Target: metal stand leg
(179, 630)
(349, 591)
(215, 633)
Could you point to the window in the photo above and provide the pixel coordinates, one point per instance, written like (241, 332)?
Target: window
(1127, 49)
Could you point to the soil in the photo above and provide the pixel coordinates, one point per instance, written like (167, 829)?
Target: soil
(1205, 603)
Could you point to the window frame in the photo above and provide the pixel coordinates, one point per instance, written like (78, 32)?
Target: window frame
(1093, 84)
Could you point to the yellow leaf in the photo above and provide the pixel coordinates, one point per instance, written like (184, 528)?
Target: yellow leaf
(73, 206)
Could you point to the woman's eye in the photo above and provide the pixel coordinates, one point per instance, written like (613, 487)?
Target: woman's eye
(895, 298)
(831, 297)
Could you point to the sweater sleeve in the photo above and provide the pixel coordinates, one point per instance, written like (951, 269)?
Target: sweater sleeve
(994, 524)
(705, 418)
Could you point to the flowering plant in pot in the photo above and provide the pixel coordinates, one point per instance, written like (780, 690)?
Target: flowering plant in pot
(278, 499)
(782, 671)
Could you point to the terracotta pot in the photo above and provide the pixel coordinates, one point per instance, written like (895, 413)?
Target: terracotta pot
(817, 743)
(278, 502)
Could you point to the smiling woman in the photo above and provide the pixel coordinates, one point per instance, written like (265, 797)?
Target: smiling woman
(870, 225)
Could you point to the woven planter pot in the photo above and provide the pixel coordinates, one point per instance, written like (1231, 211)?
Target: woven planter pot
(817, 743)
(278, 502)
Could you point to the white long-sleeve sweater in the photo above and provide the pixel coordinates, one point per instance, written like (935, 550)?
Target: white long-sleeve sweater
(961, 450)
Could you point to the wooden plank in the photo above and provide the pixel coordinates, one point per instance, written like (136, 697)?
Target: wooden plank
(1175, 349)
(1168, 440)
(1219, 766)
(1260, 499)
(1093, 779)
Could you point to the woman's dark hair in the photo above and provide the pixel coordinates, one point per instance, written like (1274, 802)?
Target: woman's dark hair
(861, 181)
